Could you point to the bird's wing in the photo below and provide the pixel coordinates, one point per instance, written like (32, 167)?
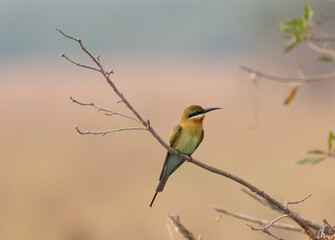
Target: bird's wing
(174, 135)
(200, 140)
(182, 160)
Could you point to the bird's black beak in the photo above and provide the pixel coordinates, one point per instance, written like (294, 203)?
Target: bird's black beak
(210, 109)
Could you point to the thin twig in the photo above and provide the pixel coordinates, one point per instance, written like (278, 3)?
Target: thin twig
(170, 229)
(179, 227)
(324, 19)
(145, 123)
(103, 133)
(107, 111)
(322, 39)
(326, 51)
(267, 226)
(79, 64)
(266, 231)
(291, 81)
(297, 202)
(261, 222)
(329, 226)
(316, 227)
(96, 61)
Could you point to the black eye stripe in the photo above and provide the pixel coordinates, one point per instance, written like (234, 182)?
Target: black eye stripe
(194, 114)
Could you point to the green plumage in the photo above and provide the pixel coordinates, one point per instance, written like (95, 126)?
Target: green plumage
(185, 140)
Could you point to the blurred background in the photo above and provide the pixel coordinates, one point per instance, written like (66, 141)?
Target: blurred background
(57, 184)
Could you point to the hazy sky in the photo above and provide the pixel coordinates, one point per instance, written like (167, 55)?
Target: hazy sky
(149, 28)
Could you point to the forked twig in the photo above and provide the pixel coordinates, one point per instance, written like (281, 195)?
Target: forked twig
(78, 64)
(316, 227)
(261, 222)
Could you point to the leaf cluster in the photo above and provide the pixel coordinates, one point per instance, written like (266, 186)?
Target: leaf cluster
(296, 29)
(320, 155)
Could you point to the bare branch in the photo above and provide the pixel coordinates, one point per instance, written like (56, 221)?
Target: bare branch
(261, 222)
(107, 111)
(316, 227)
(321, 39)
(260, 200)
(179, 227)
(297, 202)
(267, 226)
(170, 229)
(332, 228)
(266, 231)
(291, 81)
(96, 61)
(326, 51)
(78, 64)
(103, 133)
(324, 20)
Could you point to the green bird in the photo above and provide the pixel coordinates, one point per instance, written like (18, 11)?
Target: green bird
(185, 138)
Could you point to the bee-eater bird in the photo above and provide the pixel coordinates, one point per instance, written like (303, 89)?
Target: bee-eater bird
(185, 138)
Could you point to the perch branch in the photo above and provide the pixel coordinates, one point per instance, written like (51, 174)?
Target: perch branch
(294, 216)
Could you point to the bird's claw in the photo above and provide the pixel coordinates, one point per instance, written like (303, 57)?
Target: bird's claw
(189, 160)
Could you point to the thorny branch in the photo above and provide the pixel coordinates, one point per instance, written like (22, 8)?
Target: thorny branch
(294, 216)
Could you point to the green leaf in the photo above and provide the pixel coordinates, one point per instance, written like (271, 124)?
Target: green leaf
(316, 151)
(308, 13)
(310, 160)
(330, 139)
(296, 29)
(325, 59)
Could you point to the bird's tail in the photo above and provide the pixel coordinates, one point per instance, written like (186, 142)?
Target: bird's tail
(153, 199)
(160, 187)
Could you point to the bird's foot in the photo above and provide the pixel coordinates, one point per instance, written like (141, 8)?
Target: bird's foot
(189, 160)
